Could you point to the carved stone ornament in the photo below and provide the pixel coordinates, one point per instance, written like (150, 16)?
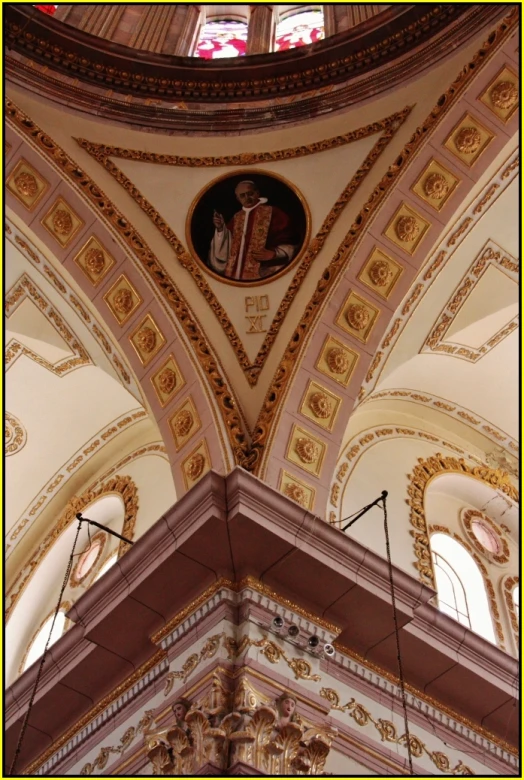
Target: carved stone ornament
(195, 466)
(95, 261)
(183, 423)
(15, 435)
(123, 301)
(223, 732)
(146, 339)
(468, 140)
(320, 405)
(167, 381)
(504, 95)
(407, 228)
(338, 360)
(62, 222)
(358, 316)
(380, 273)
(296, 493)
(436, 186)
(26, 184)
(306, 450)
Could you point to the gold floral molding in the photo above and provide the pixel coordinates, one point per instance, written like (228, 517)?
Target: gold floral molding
(218, 385)
(101, 153)
(441, 256)
(509, 583)
(124, 486)
(290, 361)
(491, 254)
(454, 410)
(38, 261)
(234, 648)
(490, 590)
(125, 741)
(422, 474)
(388, 733)
(36, 505)
(23, 289)
(15, 435)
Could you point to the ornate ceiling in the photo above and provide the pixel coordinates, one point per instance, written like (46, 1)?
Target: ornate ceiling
(398, 314)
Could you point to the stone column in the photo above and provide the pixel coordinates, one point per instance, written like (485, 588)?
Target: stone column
(184, 29)
(261, 29)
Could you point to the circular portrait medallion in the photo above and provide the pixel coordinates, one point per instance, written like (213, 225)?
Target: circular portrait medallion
(248, 228)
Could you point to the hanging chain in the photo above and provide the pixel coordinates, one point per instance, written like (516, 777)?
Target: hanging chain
(397, 637)
(42, 659)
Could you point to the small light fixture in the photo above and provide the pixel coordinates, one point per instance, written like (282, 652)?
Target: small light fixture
(293, 630)
(329, 650)
(313, 642)
(277, 623)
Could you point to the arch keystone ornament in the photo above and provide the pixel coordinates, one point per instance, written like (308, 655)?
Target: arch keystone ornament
(422, 474)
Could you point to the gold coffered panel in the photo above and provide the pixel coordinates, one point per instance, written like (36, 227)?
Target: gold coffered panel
(62, 222)
(122, 299)
(337, 361)
(298, 491)
(380, 273)
(502, 95)
(184, 423)
(95, 261)
(167, 381)
(435, 185)
(147, 340)
(26, 184)
(407, 228)
(197, 463)
(357, 316)
(468, 140)
(320, 405)
(305, 451)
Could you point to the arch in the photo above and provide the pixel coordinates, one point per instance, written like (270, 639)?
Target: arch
(463, 596)
(422, 474)
(510, 590)
(123, 486)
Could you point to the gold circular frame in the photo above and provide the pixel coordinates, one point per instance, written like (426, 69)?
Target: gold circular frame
(74, 579)
(254, 172)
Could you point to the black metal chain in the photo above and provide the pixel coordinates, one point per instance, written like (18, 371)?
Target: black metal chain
(42, 659)
(397, 637)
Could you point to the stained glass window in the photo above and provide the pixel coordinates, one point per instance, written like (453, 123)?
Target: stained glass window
(223, 38)
(47, 9)
(299, 30)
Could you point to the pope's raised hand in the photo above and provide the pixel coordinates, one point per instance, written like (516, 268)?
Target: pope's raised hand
(218, 221)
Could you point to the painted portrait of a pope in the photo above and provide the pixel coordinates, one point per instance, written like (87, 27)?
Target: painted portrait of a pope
(248, 228)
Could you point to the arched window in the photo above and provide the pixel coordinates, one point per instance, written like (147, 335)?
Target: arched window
(106, 566)
(460, 586)
(38, 643)
(299, 30)
(224, 38)
(515, 596)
